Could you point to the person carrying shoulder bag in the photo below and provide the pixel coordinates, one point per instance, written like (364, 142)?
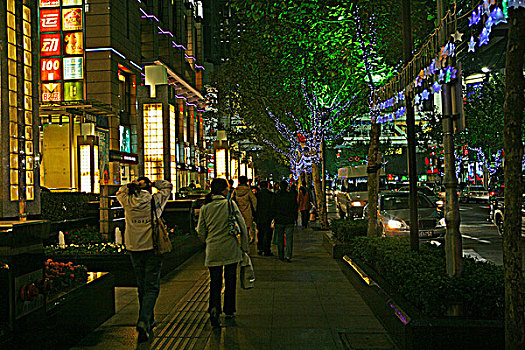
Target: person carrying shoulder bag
(223, 251)
(136, 198)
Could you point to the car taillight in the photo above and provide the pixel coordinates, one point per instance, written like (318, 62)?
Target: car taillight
(492, 193)
(470, 194)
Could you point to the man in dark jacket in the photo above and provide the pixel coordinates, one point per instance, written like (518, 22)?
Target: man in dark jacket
(264, 217)
(285, 210)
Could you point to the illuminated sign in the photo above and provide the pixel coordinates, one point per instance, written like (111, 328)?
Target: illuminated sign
(50, 20)
(73, 68)
(49, 3)
(52, 92)
(73, 91)
(72, 19)
(74, 43)
(71, 2)
(50, 44)
(51, 69)
(125, 139)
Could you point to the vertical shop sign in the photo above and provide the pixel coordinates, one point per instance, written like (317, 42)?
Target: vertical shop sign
(50, 20)
(52, 92)
(72, 19)
(73, 68)
(51, 69)
(103, 154)
(49, 3)
(73, 91)
(50, 44)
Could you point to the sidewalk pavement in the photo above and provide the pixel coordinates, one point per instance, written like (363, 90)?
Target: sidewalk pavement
(305, 304)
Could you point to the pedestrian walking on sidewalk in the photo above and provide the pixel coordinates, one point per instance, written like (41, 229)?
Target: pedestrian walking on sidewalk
(136, 199)
(303, 201)
(264, 217)
(223, 251)
(285, 210)
(247, 203)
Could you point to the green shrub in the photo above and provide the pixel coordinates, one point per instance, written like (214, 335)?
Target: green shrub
(85, 235)
(421, 277)
(347, 229)
(60, 206)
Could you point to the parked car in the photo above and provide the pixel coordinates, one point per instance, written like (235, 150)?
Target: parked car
(427, 191)
(497, 213)
(394, 216)
(472, 193)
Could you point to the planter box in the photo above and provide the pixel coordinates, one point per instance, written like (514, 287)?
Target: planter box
(413, 331)
(67, 318)
(120, 265)
(332, 245)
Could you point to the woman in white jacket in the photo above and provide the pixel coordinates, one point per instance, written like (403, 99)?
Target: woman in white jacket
(222, 248)
(136, 199)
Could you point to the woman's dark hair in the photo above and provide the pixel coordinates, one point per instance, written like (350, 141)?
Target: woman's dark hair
(284, 185)
(217, 187)
(134, 189)
(243, 180)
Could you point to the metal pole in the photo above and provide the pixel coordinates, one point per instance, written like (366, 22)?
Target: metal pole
(411, 133)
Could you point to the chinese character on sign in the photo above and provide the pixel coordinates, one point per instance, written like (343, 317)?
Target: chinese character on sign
(50, 20)
(49, 3)
(52, 92)
(50, 44)
(51, 69)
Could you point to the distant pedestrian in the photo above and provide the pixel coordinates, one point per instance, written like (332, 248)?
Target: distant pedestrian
(136, 199)
(223, 251)
(247, 203)
(303, 201)
(192, 185)
(264, 217)
(285, 210)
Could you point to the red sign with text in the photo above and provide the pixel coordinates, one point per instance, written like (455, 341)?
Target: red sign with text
(52, 92)
(50, 20)
(51, 69)
(50, 44)
(49, 3)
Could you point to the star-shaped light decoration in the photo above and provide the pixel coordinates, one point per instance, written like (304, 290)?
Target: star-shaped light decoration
(489, 23)
(450, 74)
(424, 95)
(457, 36)
(484, 37)
(418, 82)
(441, 75)
(451, 48)
(443, 52)
(515, 4)
(432, 67)
(472, 44)
(401, 96)
(474, 18)
(417, 99)
(436, 87)
(486, 5)
(498, 16)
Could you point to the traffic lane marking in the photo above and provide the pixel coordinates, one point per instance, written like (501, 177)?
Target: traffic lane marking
(476, 239)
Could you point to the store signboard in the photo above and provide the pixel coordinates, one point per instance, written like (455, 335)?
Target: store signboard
(49, 3)
(72, 19)
(52, 92)
(73, 91)
(73, 43)
(71, 2)
(125, 139)
(50, 44)
(51, 69)
(73, 68)
(50, 20)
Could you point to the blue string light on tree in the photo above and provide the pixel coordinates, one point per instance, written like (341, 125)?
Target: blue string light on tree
(474, 18)
(472, 45)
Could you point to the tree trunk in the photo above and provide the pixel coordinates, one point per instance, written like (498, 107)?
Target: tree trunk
(320, 199)
(512, 140)
(374, 168)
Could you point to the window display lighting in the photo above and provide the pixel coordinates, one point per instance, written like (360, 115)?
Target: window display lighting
(220, 162)
(153, 141)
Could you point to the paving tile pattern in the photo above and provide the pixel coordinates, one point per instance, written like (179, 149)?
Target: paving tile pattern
(305, 304)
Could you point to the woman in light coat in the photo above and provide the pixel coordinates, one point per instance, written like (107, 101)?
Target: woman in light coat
(223, 250)
(247, 203)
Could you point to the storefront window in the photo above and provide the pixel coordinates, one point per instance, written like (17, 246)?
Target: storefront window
(153, 141)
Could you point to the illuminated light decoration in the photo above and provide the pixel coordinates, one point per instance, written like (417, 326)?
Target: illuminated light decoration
(484, 37)
(505, 5)
(472, 45)
(106, 49)
(441, 75)
(498, 16)
(418, 82)
(417, 99)
(199, 67)
(489, 23)
(181, 47)
(189, 57)
(450, 74)
(475, 17)
(432, 67)
(515, 4)
(148, 16)
(162, 31)
(424, 95)
(134, 64)
(191, 104)
(457, 36)
(401, 95)
(201, 110)
(436, 87)
(180, 96)
(450, 49)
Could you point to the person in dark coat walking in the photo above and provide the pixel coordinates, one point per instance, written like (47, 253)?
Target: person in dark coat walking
(285, 210)
(264, 217)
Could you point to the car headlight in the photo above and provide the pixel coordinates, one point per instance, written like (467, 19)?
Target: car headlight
(440, 203)
(356, 204)
(442, 222)
(395, 224)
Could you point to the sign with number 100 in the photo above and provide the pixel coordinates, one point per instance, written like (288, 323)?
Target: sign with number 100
(51, 69)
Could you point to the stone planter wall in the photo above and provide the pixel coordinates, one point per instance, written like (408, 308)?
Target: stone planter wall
(332, 245)
(413, 331)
